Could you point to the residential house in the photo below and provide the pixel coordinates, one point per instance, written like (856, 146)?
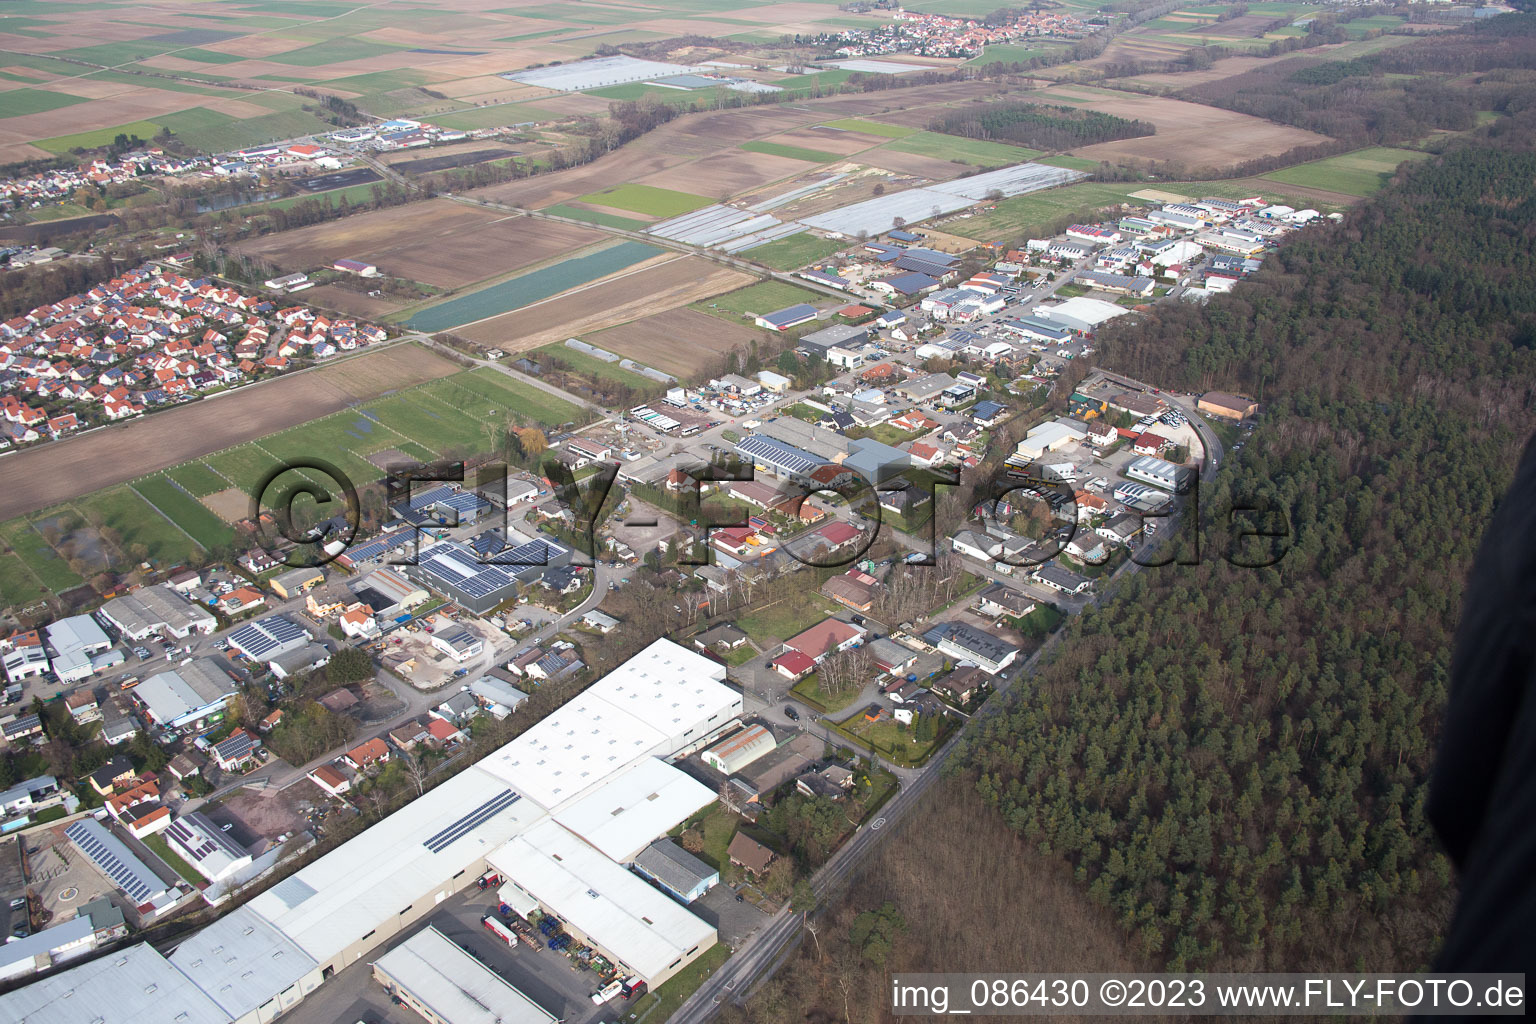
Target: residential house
(749, 855)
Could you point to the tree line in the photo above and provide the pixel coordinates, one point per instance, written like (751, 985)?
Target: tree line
(1040, 126)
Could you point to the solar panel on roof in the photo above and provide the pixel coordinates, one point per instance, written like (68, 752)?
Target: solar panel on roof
(114, 859)
(471, 821)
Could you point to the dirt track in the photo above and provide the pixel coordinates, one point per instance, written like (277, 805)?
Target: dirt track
(64, 470)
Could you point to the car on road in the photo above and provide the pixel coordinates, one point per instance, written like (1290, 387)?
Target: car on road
(19, 903)
(791, 714)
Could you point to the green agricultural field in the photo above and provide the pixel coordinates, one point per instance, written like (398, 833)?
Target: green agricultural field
(239, 133)
(1012, 219)
(18, 586)
(45, 563)
(855, 124)
(244, 465)
(354, 193)
(112, 54)
(203, 56)
(428, 421)
(329, 439)
(334, 51)
(976, 152)
(764, 297)
(498, 116)
(1011, 53)
(1357, 174)
(185, 511)
(197, 478)
(145, 130)
(591, 366)
(814, 156)
(502, 394)
(136, 523)
(1358, 28)
(380, 81)
(1074, 163)
(582, 14)
(16, 102)
(609, 220)
(793, 251)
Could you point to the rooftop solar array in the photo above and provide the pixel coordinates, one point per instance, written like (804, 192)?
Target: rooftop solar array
(379, 546)
(266, 635)
(115, 860)
(469, 822)
(779, 454)
(236, 746)
(204, 840)
(458, 566)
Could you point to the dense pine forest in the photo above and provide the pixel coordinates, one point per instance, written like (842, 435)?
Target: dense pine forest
(1230, 763)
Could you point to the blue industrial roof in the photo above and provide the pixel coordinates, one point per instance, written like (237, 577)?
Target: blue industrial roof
(779, 454)
(790, 315)
(901, 236)
(908, 284)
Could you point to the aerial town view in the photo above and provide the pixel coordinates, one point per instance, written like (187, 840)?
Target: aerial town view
(757, 512)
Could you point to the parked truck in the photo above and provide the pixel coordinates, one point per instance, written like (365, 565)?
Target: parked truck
(499, 930)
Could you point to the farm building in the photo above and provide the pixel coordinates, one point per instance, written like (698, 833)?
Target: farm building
(735, 752)
(357, 267)
(676, 870)
(789, 316)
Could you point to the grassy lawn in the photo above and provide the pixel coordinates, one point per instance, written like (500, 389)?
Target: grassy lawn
(508, 392)
(658, 202)
(1358, 174)
(46, 564)
(764, 297)
(891, 740)
(784, 619)
(355, 194)
(977, 152)
(17, 585)
(809, 690)
(185, 511)
(601, 218)
(163, 850)
(591, 366)
(663, 1002)
(123, 510)
(856, 124)
(814, 156)
(719, 824)
(793, 251)
(197, 478)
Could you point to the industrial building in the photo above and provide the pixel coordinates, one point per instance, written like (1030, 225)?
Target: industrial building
(157, 609)
(268, 638)
(676, 870)
(439, 980)
(1158, 472)
(734, 753)
(543, 810)
(113, 858)
(77, 642)
(602, 904)
(210, 852)
(480, 584)
(185, 695)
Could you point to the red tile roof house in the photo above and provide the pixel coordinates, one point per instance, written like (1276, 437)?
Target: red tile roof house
(793, 665)
(826, 637)
(330, 780)
(1149, 444)
(375, 751)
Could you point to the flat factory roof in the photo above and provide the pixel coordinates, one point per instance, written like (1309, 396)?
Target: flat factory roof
(454, 985)
(643, 928)
(135, 985)
(623, 815)
(663, 697)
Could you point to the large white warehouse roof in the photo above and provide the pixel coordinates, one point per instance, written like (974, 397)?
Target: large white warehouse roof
(644, 928)
(661, 700)
(132, 986)
(370, 879)
(623, 815)
(454, 985)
